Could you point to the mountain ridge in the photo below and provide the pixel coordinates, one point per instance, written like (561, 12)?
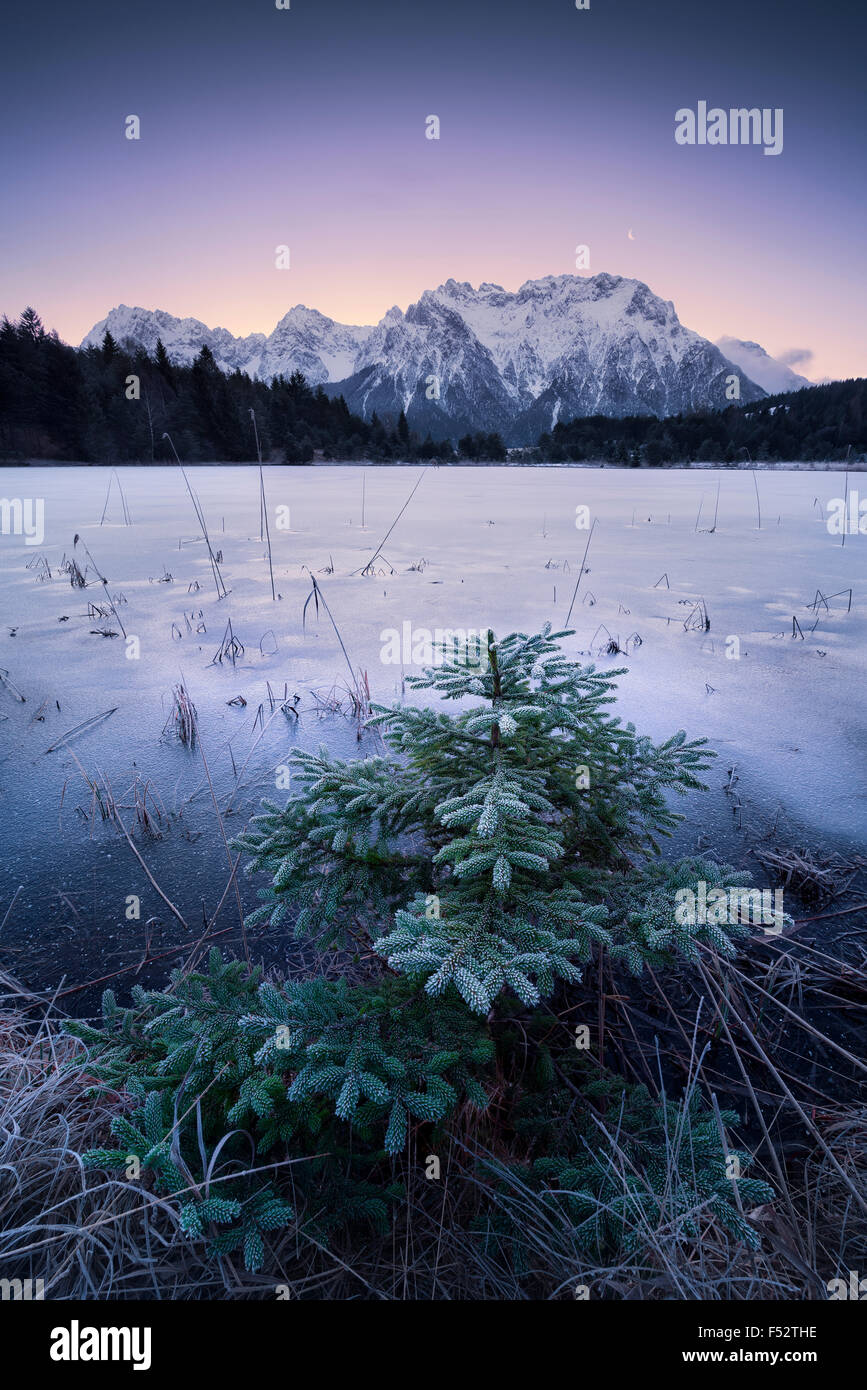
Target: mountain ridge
(462, 359)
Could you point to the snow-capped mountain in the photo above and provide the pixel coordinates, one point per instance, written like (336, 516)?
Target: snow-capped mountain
(766, 371)
(182, 338)
(306, 341)
(462, 358)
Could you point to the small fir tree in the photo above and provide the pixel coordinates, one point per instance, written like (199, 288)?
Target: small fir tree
(479, 865)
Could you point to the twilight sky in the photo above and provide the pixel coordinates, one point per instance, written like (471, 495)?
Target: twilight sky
(306, 126)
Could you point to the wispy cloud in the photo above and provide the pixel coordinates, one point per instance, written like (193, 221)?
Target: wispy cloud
(797, 358)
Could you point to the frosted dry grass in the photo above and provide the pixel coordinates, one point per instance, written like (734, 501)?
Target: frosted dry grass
(83, 1238)
(99, 1239)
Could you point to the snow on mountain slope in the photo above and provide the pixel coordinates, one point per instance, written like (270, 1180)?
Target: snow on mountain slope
(568, 346)
(766, 371)
(182, 338)
(306, 341)
(429, 363)
(303, 340)
(462, 358)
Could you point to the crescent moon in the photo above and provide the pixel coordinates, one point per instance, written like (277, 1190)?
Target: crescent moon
(629, 234)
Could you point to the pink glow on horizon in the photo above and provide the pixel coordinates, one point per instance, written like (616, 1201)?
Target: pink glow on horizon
(749, 308)
(362, 241)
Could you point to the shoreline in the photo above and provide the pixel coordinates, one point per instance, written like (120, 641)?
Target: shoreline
(761, 466)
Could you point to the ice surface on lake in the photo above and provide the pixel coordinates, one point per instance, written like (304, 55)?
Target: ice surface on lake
(475, 547)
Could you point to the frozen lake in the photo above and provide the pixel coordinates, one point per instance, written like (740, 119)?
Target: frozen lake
(474, 547)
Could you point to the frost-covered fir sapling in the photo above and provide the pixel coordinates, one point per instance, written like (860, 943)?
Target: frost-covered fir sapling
(506, 839)
(477, 866)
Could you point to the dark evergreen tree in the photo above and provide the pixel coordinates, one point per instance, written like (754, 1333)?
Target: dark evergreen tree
(164, 366)
(30, 325)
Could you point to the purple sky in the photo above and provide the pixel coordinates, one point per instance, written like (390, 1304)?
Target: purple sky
(307, 127)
